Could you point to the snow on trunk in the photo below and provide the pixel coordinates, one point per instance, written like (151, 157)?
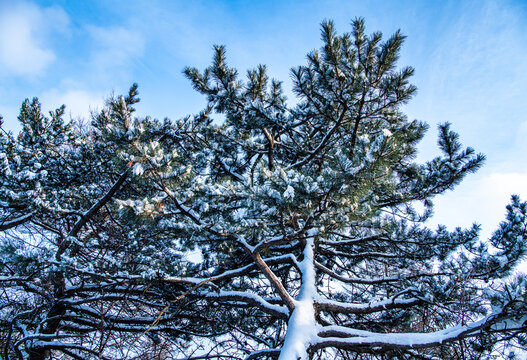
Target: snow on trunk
(302, 326)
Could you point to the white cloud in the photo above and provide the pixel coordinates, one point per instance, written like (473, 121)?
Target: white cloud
(24, 28)
(115, 47)
(480, 200)
(9, 115)
(521, 138)
(79, 103)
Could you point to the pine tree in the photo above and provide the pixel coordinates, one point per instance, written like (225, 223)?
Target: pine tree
(309, 221)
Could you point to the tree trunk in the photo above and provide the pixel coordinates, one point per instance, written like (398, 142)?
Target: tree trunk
(302, 325)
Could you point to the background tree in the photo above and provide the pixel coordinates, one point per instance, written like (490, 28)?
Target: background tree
(73, 274)
(309, 221)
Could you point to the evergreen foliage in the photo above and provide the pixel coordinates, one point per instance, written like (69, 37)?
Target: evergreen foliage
(309, 222)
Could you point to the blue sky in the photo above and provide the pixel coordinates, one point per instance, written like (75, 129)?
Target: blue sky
(470, 59)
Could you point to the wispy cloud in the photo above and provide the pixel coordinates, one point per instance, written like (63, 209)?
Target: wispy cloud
(480, 199)
(113, 53)
(521, 143)
(115, 48)
(24, 31)
(79, 103)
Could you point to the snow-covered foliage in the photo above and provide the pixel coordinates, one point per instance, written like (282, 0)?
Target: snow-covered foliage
(305, 219)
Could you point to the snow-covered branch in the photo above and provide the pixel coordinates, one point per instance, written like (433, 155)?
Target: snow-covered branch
(265, 353)
(247, 298)
(372, 307)
(9, 224)
(360, 340)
